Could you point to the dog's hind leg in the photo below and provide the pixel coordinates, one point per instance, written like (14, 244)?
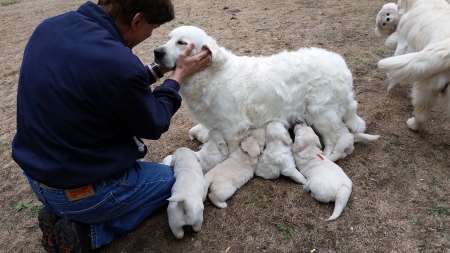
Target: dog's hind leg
(177, 229)
(217, 201)
(422, 100)
(291, 172)
(295, 175)
(330, 128)
(354, 123)
(344, 147)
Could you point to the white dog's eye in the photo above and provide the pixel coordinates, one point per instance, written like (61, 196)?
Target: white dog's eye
(180, 42)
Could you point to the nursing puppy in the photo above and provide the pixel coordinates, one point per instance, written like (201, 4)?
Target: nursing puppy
(237, 93)
(188, 193)
(277, 157)
(226, 177)
(326, 180)
(213, 152)
(422, 56)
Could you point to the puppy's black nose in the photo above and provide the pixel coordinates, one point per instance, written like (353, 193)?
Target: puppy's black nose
(159, 53)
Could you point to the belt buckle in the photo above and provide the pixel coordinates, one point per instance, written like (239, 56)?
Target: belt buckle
(79, 193)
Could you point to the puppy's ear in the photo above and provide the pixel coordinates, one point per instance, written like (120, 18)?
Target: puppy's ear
(176, 198)
(250, 146)
(223, 148)
(286, 138)
(172, 162)
(402, 6)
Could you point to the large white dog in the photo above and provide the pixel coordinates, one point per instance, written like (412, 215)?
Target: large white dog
(422, 56)
(238, 93)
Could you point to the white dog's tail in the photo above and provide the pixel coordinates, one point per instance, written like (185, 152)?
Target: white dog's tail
(343, 195)
(361, 137)
(415, 66)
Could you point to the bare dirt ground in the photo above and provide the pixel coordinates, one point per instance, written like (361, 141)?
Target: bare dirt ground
(400, 200)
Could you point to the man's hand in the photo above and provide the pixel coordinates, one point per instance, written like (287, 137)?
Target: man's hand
(187, 65)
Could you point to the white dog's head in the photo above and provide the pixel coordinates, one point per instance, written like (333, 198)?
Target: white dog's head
(276, 131)
(387, 20)
(254, 144)
(166, 55)
(305, 137)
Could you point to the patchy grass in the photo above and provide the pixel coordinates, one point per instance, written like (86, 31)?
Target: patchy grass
(29, 206)
(8, 3)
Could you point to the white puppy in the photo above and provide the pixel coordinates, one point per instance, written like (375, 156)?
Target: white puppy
(213, 152)
(422, 56)
(237, 93)
(230, 175)
(199, 132)
(277, 157)
(188, 193)
(386, 24)
(326, 180)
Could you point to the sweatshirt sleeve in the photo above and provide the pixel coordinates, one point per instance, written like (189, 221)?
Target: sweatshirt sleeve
(146, 113)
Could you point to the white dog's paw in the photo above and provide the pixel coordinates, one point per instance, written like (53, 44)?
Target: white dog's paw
(220, 204)
(167, 160)
(390, 83)
(414, 125)
(178, 232)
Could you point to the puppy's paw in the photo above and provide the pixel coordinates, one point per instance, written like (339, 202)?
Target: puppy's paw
(221, 204)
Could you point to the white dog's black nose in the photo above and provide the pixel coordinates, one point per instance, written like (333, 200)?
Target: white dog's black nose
(159, 53)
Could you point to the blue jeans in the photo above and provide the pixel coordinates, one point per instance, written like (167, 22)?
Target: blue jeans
(118, 205)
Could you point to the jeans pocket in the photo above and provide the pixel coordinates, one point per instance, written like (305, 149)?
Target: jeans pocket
(107, 209)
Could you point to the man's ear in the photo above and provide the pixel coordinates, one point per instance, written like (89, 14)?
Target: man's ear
(137, 19)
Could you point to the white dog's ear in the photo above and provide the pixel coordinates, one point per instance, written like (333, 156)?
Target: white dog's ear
(286, 138)
(216, 55)
(250, 146)
(223, 148)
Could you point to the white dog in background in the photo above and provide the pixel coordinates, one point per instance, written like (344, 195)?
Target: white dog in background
(386, 24)
(422, 56)
(277, 157)
(326, 180)
(237, 93)
(230, 175)
(188, 193)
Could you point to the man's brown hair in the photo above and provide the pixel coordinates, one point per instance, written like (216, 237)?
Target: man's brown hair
(154, 11)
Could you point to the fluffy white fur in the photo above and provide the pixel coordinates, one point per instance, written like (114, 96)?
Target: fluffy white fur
(277, 156)
(226, 177)
(238, 93)
(213, 152)
(345, 144)
(188, 193)
(422, 56)
(199, 132)
(326, 180)
(386, 24)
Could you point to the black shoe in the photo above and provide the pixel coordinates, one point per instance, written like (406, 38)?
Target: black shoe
(72, 237)
(47, 221)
